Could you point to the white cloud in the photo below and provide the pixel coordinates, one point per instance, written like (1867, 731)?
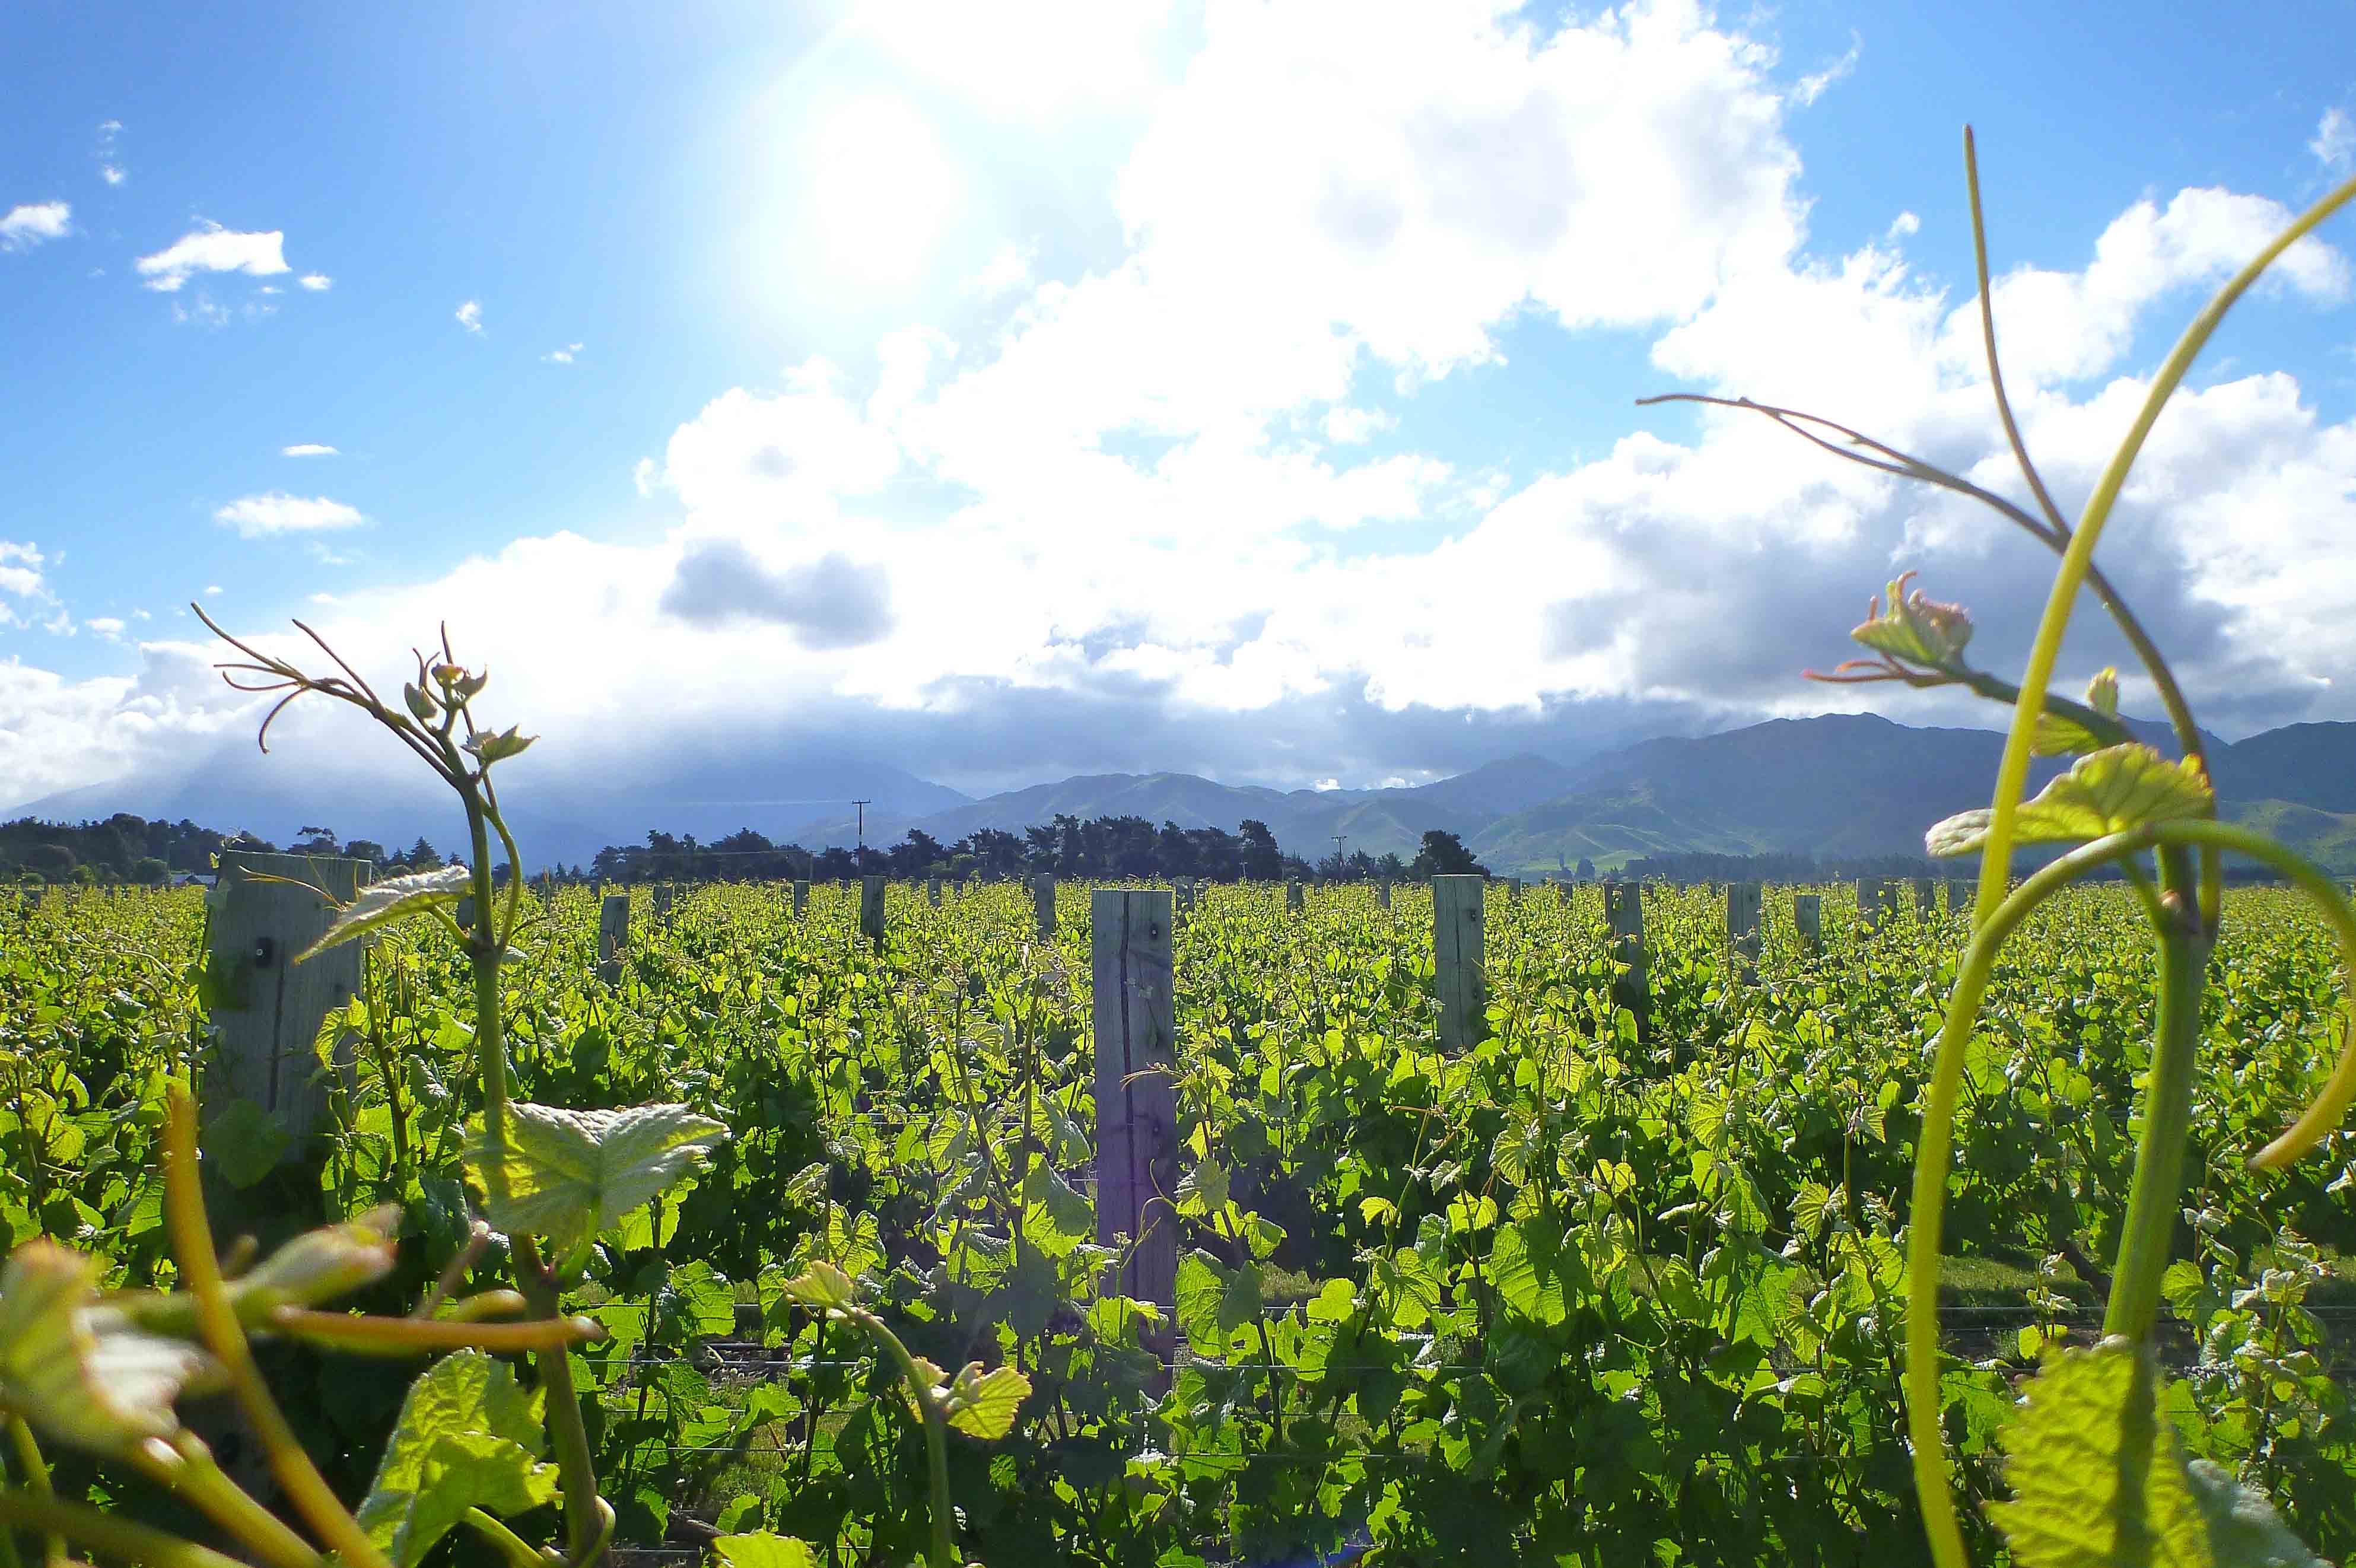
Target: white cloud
(213, 248)
(26, 225)
(564, 355)
(1355, 427)
(109, 168)
(2334, 145)
(1816, 83)
(20, 569)
(317, 283)
(1905, 225)
(260, 516)
(470, 317)
(212, 590)
(306, 449)
(107, 626)
(1008, 268)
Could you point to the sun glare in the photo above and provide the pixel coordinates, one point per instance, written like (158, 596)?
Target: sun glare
(882, 192)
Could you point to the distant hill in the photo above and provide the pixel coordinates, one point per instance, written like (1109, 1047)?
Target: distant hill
(1379, 821)
(2311, 765)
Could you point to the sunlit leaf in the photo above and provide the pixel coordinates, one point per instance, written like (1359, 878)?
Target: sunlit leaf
(81, 1371)
(2108, 792)
(763, 1549)
(568, 1175)
(469, 1436)
(393, 899)
(984, 1405)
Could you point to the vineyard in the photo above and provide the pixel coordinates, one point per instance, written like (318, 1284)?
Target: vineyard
(1598, 1289)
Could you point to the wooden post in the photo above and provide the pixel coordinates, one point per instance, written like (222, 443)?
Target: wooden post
(871, 909)
(1134, 1003)
(270, 1008)
(1186, 903)
(1808, 921)
(1514, 891)
(1458, 924)
(613, 935)
(1043, 903)
(933, 892)
(662, 903)
(1877, 898)
(1383, 893)
(1292, 898)
(802, 899)
(1922, 904)
(1623, 911)
(1742, 903)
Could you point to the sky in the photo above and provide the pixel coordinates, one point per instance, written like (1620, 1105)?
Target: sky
(1002, 393)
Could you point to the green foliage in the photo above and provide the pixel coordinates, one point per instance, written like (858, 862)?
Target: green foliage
(2104, 793)
(469, 1437)
(569, 1175)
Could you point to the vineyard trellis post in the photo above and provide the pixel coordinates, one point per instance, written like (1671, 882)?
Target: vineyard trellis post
(871, 909)
(1624, 914)
(1923, 907)
(1514, 891)
(613, 935)
(1808, 921)
(1877, 899)
(1459, 926)
(662, 903)
(268, 1008)
(802, 899)
(1742, 907)
(1133, 995)
(933, 892)
(1383, 892)
(1294, 901)
(1043, 902)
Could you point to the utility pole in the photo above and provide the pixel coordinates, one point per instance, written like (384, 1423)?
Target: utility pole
(862, 805)
(1340, 870)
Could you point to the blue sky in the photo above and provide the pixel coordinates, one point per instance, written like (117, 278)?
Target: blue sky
(1236, 390)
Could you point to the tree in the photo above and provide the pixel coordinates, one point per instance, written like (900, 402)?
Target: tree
(364, 849)
(1443, 855)
(1586, 869)
(1262, 860)
(148, 872)
(422, 856)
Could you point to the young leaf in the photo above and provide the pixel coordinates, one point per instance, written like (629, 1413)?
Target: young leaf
(763, 1549)
(392, 899)
(822, 1288)
(2098, 1479)
(984, 1405)
(569, 1175)
(469, 1437)
(1916, 630)
(2107, 792)
(2059, 735)
(76, 1370)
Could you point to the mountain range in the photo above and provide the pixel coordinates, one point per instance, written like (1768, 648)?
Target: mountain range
(1841, 785)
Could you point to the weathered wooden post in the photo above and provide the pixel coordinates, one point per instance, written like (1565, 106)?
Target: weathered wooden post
(613, 935)
(1624, 913)
(662, 903)
(1808, 921)
(1043, 903)
(1293, 901)
(1742, 905)
(1186, 903)
(1514, 891)
(1383, 892)
(1459, 926)
(871, 909)
(268, 1008)
(1134, 1005)
(1877, 898)
(933, 892)
(802, 899)
(1924, 908)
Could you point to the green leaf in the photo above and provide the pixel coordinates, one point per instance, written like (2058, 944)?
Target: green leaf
(392, 899)
(2059, 735)
(2098, 1481)
(568, 1175)
(496, 745)
(822, 1288)
(243, 1143)
(469, 1436)
(1538, 1271)
(1916, 630)
(2107, 792)
(984, 1405)
(763, 1549)
(79, 1371)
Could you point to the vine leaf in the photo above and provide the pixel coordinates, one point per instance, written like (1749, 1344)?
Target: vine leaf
(982, 1404)
(2059, 735)
(2098, 1481)
(761, 1549)
(469, 1437)
(80, 1370)
(568, 1175)
(379, 903)
(2104, 793)
(1916, 629)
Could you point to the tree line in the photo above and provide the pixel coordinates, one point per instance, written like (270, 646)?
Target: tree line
(125, 849)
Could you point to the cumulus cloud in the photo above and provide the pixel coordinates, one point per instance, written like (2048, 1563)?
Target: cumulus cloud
(2334, 145)
(1136, 522)
(317, 283)
(26, 225)
(260, 517)
(20, 569)
(306, 449)
(830, 602)
(107, 626)
(469, 314)
(564, 355)
(213, 248)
